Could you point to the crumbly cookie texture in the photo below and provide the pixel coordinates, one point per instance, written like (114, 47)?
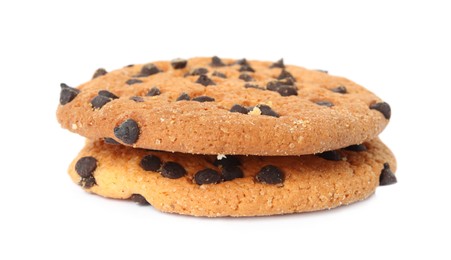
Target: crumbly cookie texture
(207, 185)
(223, 106)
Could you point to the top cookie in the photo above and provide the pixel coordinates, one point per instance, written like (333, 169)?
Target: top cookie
(223, 106)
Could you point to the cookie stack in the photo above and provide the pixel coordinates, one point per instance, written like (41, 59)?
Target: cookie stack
(222, 137)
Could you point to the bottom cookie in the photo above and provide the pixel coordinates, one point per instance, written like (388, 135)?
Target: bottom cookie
(203, 185)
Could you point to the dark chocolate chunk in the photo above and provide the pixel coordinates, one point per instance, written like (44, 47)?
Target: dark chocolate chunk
(285, 75)
(227, 161)
(67, 94)
(286, 91)
(107, 94)
(133, 81)
(340, 89)
(203, 99)
(127, 132)
(87, 182)
(278, 64)
(99, 72)
(197, 72)
(246, 67)
(183, 96)
(219, 74)
(137, 99)
(207, 176)
(330, 155)
(275, 85)
(382, 107)
(270, 175)
(130, 65)
(246, 77)
(148, 70)
(85, 166)
(248, 85)
(178, 63)
(267, 110)
(239, 109)
(231, 172)
(242, 62)
(172, 170)
(99, 101)
(216, 62)
(387, 177)
(150, 163)
(324, 103)
(153, 92)
(204, 80)
(356, 148)
(109, 140)
(139, 199)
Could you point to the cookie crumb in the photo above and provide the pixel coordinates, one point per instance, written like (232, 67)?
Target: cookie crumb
(255, 111)
(221, 156)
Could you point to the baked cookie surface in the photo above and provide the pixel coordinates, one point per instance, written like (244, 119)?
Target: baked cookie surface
(205, 185)
(223, 106)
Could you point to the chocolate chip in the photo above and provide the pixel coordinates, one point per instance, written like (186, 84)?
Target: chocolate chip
(107, 94)
(239, 109)
(178, 63)
(150, 163)
(99, 101)
(127, 132)
(285, 75)
(274, 85)
(133, 81)
(267, 110)
(207, 176)
(183, 96)
(231, 172)
(382, 107)
(219, 74)
(246, 67)
(197, 72)
(153, 92)
(103, 98)
(216, 62)
(270, 175)
(278, 64)
(248, 85)
(172, 170)
(340, 89)
(324, 103)
(130, 65)
(137, 99)
(203, 99)
(356, 148)
(227, 161)
(109, 140)
(139, 199)
(286, 91)
(99, 72)
(387, 177)
(204, 80)
(67, 94)
(242, 62)
(87, 182)
(85, 166)
(246, 77)
(330, 155)
(148, 70)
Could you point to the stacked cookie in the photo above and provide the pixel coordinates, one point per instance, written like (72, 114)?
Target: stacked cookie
(222, 137)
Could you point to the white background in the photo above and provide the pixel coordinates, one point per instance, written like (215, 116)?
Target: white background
(399, 50)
